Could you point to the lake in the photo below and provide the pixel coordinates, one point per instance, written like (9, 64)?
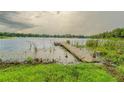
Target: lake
(18, 49)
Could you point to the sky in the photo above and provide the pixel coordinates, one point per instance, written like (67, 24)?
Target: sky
(60, 22)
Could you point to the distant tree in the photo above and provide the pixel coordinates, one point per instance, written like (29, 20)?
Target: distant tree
(116, 33)
(39, 35)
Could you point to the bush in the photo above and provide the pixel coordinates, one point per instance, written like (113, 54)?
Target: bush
(29, 59)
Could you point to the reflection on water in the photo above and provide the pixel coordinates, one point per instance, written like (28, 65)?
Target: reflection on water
(21, 48)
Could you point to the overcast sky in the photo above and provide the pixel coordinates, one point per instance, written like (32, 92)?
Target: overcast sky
(83, 23)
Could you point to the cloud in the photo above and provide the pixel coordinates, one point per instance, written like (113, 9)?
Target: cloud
(6, 20)
(54, 22)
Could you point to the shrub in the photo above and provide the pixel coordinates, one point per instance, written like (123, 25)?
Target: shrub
(29, 59)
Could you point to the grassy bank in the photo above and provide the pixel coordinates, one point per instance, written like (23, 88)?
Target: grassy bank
(6, 37)
(110, 49)
(55, 72)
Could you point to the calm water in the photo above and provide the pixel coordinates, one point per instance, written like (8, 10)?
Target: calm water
(21, 48)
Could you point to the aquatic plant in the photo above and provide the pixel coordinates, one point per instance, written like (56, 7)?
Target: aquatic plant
(33, 45)
(0, 60)
(92, 43)
(68, 41)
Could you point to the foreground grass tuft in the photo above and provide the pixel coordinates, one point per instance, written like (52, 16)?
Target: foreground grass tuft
(55, 72)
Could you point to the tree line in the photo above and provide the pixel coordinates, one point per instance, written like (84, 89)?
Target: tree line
(116, 33)
(39, 35)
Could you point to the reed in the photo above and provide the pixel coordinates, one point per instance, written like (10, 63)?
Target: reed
(34, 46)
(113, 50)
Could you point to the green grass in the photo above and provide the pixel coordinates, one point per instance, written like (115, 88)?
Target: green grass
(54, 73)
(6, 37)
(112, 49)
(121, 68)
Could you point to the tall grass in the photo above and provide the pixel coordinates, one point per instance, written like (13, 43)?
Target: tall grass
(109, 44)
(113, 50)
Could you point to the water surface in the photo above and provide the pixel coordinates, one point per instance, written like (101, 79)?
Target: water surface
(18, 49)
